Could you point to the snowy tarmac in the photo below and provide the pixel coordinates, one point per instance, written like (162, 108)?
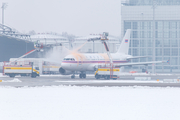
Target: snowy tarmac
(89, 103)
(124, 80)
(62, 98)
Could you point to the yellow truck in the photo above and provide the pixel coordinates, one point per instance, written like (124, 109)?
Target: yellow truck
(107, 73)
(24, 70)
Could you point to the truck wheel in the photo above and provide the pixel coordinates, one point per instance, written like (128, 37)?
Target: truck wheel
(12, 75)
(107, 77)
(33, 75)
(97, 76)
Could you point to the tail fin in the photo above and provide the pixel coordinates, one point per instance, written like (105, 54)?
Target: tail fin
(124, 47)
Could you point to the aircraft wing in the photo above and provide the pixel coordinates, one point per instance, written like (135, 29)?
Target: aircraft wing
(140, 63)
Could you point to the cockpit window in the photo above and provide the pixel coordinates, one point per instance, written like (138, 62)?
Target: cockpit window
(69, 59)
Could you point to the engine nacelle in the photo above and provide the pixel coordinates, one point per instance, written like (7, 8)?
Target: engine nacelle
(65, 72)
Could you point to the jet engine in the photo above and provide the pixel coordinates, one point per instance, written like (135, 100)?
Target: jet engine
(65, 72)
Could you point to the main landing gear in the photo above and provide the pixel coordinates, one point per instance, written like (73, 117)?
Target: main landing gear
(73, 76)
(82, 75)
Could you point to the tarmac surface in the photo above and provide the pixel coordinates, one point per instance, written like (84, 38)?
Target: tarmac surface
(163, 80)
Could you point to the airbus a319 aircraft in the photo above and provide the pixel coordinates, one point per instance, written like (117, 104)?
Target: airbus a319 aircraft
(83, 62)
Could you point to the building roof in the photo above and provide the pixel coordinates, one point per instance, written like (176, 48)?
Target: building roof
(49, 38)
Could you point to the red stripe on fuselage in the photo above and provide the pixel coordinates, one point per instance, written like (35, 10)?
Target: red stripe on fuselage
(93, 62)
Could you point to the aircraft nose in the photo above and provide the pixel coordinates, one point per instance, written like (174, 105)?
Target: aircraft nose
(64, 65)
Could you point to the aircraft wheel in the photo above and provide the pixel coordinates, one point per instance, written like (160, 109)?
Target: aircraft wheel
(80, 75)
(73, 76)
(84, 75)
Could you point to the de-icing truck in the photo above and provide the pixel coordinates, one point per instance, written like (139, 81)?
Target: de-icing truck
(16, 68)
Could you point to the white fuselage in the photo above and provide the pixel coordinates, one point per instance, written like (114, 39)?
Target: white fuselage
(88, 62)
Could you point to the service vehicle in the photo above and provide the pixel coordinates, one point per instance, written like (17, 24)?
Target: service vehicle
(107, 73)
(13, 68)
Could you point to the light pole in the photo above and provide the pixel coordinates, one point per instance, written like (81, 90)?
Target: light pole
(4, 6)
(154, 49)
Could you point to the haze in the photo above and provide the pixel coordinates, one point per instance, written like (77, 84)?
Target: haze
(77, 17)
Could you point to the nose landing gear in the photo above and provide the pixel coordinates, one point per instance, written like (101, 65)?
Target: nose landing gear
(73, 76)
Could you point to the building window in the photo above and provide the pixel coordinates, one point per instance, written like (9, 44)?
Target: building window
(149, 34)
(158, 52)
(142, 51)
(142, 59)
(149, 51)
(158, 43)
(135, 52)
(173, 34)
(135, 35)
(149, 25)
(127, 25)
(166, 67)
(174, 61)
(129, 52)
(159, 25)
(143, 43)
(135, 26)
(166, 25)
(166, 51)
(166, 43)
(173, 25)
(174, 52)
(158, 67)
(142, 25)
(135, 60)
(149, 43)
(135, 43)
(174, 43)
(166, 34)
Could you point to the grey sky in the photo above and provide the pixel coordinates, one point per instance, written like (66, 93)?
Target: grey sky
(78, 17)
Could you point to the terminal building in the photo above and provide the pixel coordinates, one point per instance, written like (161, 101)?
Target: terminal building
(151, 20)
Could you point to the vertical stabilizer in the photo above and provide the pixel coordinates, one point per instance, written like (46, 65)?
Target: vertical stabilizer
(124, 47)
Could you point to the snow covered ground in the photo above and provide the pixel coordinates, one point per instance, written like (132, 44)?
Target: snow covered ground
(89, 103)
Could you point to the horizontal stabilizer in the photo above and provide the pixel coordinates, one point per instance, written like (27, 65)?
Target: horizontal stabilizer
(141, 63)
(134, 57)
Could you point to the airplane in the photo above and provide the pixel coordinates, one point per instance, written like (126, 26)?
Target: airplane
(83, 62)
